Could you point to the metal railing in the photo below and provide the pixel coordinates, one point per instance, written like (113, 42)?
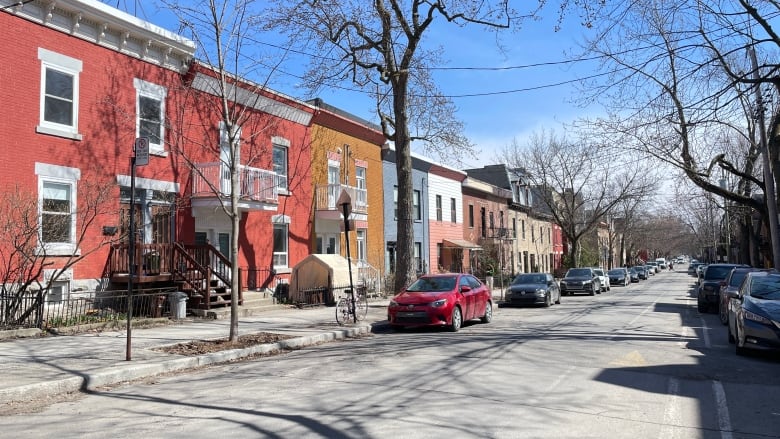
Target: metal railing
(326, 196)
(213, 179)
(32, 310)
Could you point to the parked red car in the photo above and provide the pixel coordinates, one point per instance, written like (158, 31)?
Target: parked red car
(441, 300)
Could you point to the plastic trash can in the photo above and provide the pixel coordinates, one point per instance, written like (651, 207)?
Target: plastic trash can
(178, 302)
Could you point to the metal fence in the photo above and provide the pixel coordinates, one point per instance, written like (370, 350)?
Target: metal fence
(33, 310)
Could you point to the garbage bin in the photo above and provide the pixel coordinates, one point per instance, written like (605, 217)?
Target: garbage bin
(178, 303)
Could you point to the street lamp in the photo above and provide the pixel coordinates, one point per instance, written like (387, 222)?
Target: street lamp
(345, 201)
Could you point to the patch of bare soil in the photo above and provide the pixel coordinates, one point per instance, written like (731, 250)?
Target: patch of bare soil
(199, 347)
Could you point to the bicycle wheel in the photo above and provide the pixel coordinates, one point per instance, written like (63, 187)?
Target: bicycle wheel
(361, 307)
(342, 312)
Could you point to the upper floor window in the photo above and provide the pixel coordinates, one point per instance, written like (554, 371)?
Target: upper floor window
(416, 205)
(471, 215)
(395, 203)
(280, 162)
(453, 211)
(150, 113)
(59, 94)
(438, 208)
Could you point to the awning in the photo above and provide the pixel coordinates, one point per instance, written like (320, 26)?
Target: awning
(460, 243)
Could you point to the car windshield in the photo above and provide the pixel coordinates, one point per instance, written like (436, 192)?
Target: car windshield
(766, 287)
(582, 272)
(736, 278)
(598, 272)
(617, 272)
(717, 272)
(529, 279)
(439, 283)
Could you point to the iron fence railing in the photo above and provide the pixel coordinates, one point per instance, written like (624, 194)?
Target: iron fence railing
(33, 310)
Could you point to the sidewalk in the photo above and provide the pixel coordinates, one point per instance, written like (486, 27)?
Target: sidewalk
(40, 367)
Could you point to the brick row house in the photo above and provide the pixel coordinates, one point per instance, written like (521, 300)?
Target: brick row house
(80, 86)
(87, 80)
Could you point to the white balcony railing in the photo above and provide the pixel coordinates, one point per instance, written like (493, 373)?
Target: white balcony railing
(213, 180)
(327, 194)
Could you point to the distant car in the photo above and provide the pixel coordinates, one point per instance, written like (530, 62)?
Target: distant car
(650, 270)
(580, 280)
(729, 290)
(603, 279)
(619, 276)
(441, 300)
(633, 274)
(641, 271)
(533, 289)
(755, 312)
(709, 287)
(692, 268)
(654, 266)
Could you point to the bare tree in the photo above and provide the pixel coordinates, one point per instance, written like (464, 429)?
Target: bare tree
(380, 47)
(681, 89)
(577, 182)
(24, 252)
(232, 67)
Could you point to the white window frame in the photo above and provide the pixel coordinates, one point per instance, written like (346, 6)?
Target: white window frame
(58, 175)
(152, 91)
(281, 222)
(280, 143)
(69, 66)
(361, 244)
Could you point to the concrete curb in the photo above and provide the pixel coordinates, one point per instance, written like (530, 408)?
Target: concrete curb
(132, 371)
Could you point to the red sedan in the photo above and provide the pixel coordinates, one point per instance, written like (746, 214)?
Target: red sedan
(441, 300)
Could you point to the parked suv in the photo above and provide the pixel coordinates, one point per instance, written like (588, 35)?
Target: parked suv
(714, 276)
(580, 280)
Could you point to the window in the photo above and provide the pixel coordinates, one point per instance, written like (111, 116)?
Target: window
(418, 262)
(360, 184)
(395, 203)
(438, 208)
(453, 211)
(150, 111)
(59, 94)
(514, 227)
(522, 228)
(471, 216)
(280, 245)
(416, 206)
(280, 163)
(56, 207)
(361, 245)
(56, 210)
(492, 221)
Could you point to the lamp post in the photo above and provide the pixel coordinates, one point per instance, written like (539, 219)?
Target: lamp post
(345, 201)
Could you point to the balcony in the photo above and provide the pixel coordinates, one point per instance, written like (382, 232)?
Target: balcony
(498, 233)
(259, 188)
(327, 194)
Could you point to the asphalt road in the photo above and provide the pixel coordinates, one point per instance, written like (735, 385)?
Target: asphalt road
(637, 362)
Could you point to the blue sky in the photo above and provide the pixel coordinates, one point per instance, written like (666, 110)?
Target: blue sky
(543, 93)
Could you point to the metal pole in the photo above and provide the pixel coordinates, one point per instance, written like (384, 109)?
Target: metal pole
(769, 179)
(131, 261)
(345, 208)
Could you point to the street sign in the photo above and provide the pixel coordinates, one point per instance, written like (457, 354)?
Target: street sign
(142, 151)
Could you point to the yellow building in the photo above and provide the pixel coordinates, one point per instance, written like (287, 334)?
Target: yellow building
(346, 157)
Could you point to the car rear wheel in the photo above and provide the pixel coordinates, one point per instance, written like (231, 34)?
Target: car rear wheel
(456, 321)
(739, 342)
(548, 300)
(488, 317)
(593, 291)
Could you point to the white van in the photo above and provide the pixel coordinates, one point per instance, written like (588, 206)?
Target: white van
(661, 263)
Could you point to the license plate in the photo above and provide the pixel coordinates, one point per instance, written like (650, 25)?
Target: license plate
(407, 314)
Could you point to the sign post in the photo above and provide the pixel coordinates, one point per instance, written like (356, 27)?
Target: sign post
(140, 158)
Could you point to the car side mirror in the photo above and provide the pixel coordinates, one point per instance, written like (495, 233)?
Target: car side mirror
(732, 294)
(465, 289)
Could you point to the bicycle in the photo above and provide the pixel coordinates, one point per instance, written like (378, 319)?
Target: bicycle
(352, 308)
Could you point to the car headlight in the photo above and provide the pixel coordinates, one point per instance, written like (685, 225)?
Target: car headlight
(393, 303)
(757, 318)
(587, 282)
(438, 303)
(541, 291)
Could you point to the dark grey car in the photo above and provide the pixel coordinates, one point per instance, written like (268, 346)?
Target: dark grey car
(533, 289)
(580, 280)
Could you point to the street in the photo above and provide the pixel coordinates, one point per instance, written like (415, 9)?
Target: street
(636, 362)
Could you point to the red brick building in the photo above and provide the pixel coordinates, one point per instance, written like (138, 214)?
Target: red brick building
(80, 83)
